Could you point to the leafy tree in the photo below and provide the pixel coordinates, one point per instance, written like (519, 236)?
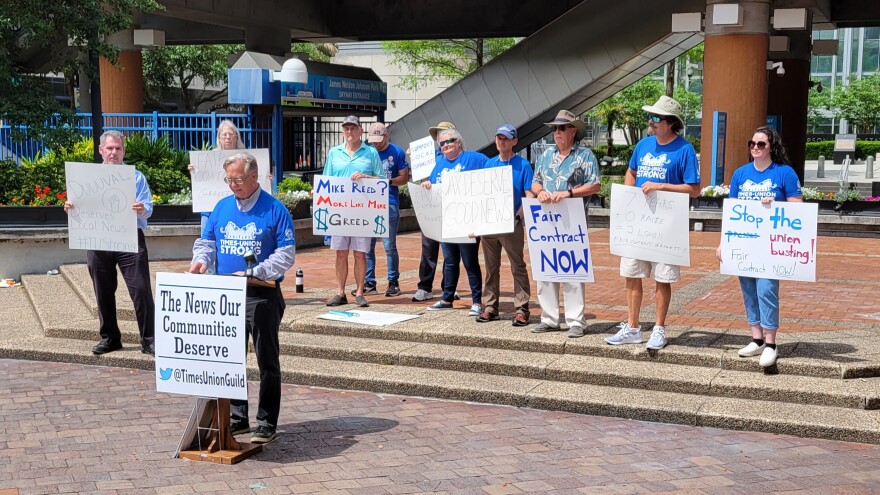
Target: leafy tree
(608, 112)
(34, 40)
(427, 61)
(632, 118)
(179, 66)
(321, 52)
(859, 102)
(818, 107)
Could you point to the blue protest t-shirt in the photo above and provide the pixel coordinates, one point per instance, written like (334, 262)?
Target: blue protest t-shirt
(779, 182)
(464, 162)
(264, 228)
(522, 176)
(393, 162)
(672, 163)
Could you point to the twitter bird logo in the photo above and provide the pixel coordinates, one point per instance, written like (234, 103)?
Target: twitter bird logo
(165, 374)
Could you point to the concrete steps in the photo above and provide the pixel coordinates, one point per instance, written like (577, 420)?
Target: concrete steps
(696, 380)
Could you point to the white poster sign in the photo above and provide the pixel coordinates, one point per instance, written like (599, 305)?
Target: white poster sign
(559, 247)
(478, 202)
(422, 158)
(342, 206)
(428, 204)
(207, 179)
(650, 227)
(102, 218)
(200, 335)
(776, 241)
(372, 318)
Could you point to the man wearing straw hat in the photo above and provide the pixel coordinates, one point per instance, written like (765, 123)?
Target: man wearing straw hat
(664, 161)
(567, 170)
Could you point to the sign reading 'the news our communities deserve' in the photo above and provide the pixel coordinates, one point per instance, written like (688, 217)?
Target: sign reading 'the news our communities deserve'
(200, 335)
(650, 227)
(559, 247)
(341, 206)
(102, 218)
(776, 241)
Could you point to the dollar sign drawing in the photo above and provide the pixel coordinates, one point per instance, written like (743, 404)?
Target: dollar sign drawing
(380, 225)
(321, 217)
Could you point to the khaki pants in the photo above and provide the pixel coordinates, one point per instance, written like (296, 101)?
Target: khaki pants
(513, 244)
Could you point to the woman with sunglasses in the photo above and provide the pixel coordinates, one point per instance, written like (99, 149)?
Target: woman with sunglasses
(766, 179)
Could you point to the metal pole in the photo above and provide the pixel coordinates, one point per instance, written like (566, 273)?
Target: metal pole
(97, 115)
(820, 171)
(869, 168)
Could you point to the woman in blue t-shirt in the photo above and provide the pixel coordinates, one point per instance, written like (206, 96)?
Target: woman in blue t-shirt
(766, 179)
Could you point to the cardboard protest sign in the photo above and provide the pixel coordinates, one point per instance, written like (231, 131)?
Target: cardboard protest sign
(422, 158)
(650, 227)
(478, 202)
(207, 179)
(776, 241)
(559, 247)
(200, 335)
(428, 204)
(341, 206)
(102, 218)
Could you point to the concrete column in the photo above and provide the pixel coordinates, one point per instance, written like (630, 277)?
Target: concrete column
(788, 96)
(122, 87)
(734, 81)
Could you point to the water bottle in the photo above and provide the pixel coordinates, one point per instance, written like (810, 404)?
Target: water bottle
(299, 280)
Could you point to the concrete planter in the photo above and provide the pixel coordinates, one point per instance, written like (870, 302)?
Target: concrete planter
(54, 216)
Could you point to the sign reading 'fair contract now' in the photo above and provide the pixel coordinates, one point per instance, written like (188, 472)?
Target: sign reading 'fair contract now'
(559, 247)
(650, 227)
(776, 240)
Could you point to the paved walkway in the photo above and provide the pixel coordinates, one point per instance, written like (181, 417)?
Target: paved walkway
(68, 428)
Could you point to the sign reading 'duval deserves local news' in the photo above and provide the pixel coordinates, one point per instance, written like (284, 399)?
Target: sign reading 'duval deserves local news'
(776, 241)
(422, 158)
(102, 218)
(559, 247)
(650, 227)
(341, 206)
(428, 204)
(208, 186)
(200, 335)
(478, 202)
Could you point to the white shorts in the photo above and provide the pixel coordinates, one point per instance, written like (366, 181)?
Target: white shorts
(344, 243)
(663, 273)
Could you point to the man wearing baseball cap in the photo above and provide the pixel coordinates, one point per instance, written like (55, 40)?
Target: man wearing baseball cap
(513, 242)
(396, 170)
(356, 160)
(663, 161)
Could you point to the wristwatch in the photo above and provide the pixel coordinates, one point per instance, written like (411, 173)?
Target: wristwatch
(570, 193)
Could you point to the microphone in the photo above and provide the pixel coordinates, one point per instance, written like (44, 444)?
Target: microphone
(251, 259)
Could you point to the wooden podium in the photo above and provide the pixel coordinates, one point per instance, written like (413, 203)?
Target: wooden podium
(208, 438)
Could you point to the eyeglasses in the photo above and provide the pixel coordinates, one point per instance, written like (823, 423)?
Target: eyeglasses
(237, 180)
(562, 128)
(656, 118)
(448, 141)
(760, 144)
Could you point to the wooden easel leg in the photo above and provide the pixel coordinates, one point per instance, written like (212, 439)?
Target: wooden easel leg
(222, 447)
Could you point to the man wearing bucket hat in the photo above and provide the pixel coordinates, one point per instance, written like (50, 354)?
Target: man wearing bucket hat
(567, 170)
(513, 242)
(664, 161)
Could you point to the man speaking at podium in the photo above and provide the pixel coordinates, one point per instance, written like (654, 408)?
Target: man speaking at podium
(252, 223)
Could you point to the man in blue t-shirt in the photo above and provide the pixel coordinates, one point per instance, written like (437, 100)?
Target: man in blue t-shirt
(252, 220)
(356, 160)
(513, 242)
(663, 161)
(396, 170)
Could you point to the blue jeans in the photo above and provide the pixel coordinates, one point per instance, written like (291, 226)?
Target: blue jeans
(761, 297)
(390, 244)
(469, 255)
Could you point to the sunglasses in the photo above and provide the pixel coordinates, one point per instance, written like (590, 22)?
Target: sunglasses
(760, 144)
(447, 141)
(656, 118)
(562, 128)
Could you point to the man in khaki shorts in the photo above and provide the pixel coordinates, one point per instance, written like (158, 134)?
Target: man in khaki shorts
(663, 161)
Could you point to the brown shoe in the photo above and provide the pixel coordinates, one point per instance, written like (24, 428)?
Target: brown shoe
(520, 320)
(486, 316)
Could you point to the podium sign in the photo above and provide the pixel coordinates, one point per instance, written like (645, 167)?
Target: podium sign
(200, 335)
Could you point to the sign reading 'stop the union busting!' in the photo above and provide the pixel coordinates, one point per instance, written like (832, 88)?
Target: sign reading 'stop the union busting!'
(200, 335)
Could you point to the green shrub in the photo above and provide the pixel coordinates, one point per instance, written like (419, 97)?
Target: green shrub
(163, 181)
(864, 149)
(12, 181)
(293, 184)
(695, 141)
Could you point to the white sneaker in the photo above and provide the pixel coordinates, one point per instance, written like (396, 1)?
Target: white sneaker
(626, 335)
(752, 349)
(768, 357)
(422, 295)
(658, 339)
(475, 310)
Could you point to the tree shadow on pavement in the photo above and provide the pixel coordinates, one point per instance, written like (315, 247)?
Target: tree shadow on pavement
(328, 437)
